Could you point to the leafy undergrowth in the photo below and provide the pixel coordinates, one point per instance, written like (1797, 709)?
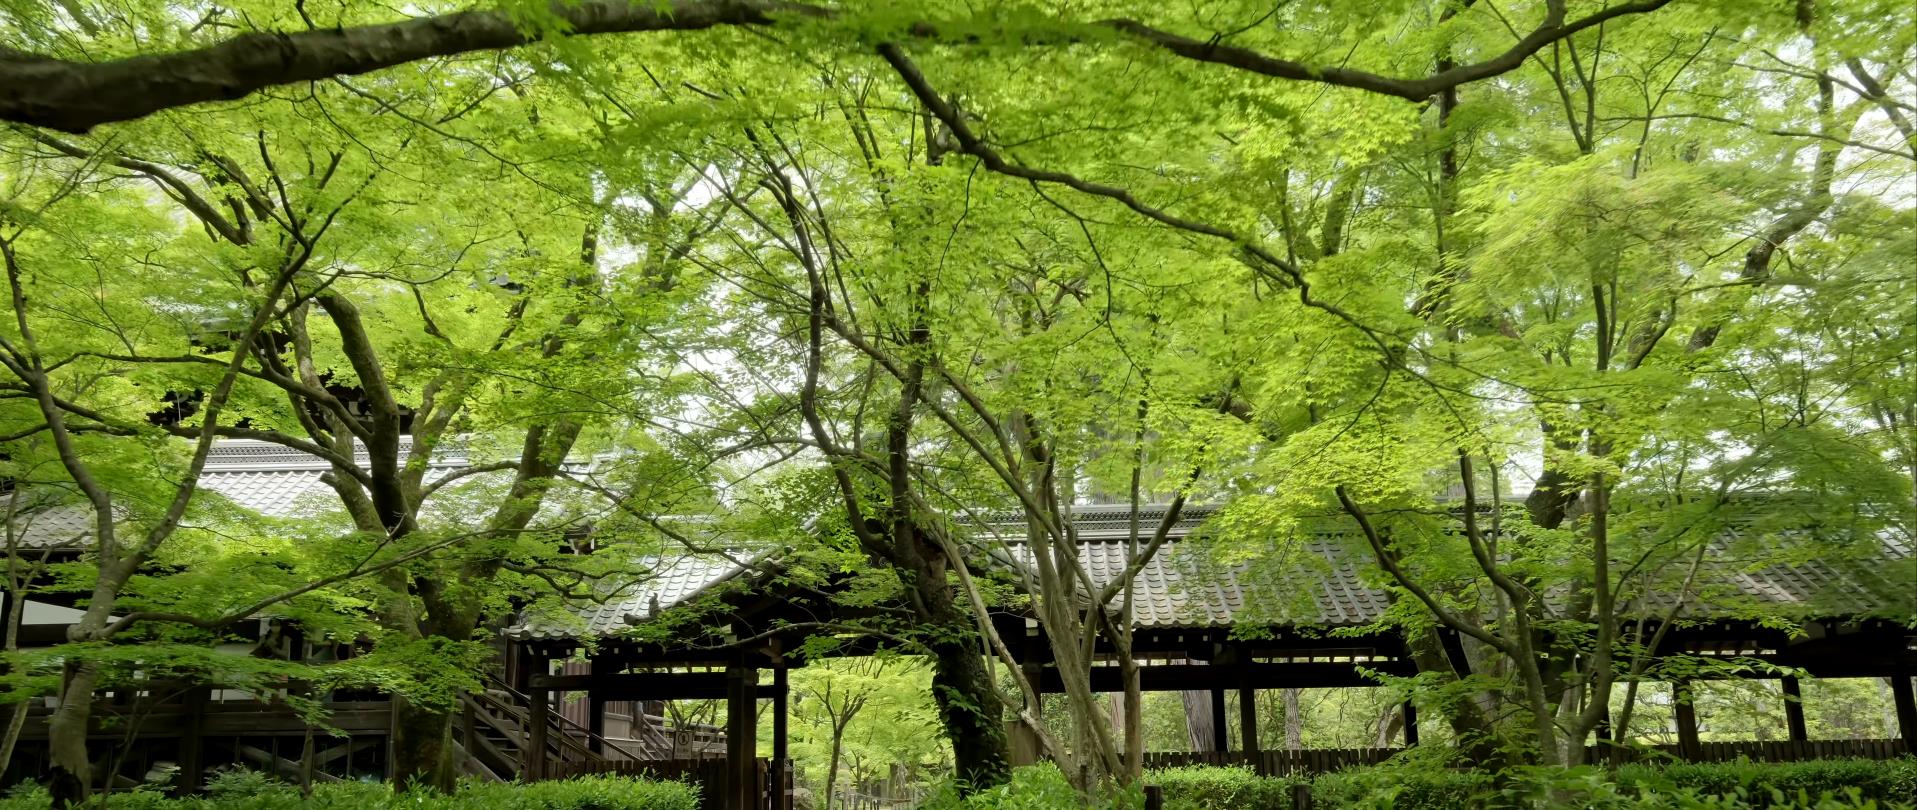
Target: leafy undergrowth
(240, 793)
(1821, 785)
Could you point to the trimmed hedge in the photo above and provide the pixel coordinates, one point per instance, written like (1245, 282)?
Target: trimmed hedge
(590, 793)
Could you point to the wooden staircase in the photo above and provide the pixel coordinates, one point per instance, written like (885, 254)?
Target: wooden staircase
(494, 736)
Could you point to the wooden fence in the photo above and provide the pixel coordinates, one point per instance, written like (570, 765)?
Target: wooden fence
(1315, 761)
(1276, 763)
(1772, 751)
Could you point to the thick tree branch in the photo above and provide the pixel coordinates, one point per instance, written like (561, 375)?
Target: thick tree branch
(1553, 29)
(76, 96)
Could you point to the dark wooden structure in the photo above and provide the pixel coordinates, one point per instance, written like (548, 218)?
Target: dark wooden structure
(562, 686)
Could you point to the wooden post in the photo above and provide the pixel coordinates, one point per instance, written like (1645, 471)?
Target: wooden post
(1906, 700)
(192, 742)
(595, 724)
(1301, 796)
(1154, 797)
(1686, 711)
(539, 719)
(1411, 725)
(467, 725)
(1220, 740)
(742, 743)
(1794, 710)
(781, 798)
(392, 737)
(1248, 718)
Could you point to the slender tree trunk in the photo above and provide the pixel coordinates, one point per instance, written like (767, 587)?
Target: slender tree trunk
(1294, 720)
(16, 719)
(832, 767)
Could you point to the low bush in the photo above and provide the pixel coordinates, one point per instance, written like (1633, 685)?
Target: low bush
(1819, 785)
(1891, 781)
(1405, 787)
(1034, 787)
(241, 793)
(1201, 787)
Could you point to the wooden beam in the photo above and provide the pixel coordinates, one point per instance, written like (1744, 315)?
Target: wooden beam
(539, 718)
(1248, 719)
(781, 798)
(1686, 710)
(193, 742)
(1410, 724)
(1906, 700)
(742, 744)
(595, 724)
(1220, 740)
(1185, 677)
(1794, 710)
(345, 749)
(642, 685)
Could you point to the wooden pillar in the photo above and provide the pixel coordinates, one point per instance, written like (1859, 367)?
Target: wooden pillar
(781, 798)
(392, 738)
(595, 723)
(1906, 700)
(1220, 740)
(1794, 710)
(742, 738)
(1248, 718)
(1686, 711)
(539, 718)
(193, 742)
(1410, 724)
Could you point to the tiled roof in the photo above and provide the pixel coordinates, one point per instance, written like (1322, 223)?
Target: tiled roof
(283, 482)
(49, 518)
(1321, 579)
(1185, 585)
(667, 583)
(259, 476)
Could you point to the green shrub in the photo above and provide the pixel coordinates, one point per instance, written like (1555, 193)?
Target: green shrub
(1400, 786)
(1200, 787)
(1035, 787)
(241, 783)
(241, 793)
(1818, 785)
(1892, 781)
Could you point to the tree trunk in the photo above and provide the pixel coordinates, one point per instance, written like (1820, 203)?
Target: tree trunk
(422, 749)
(968, 703)
(1199, 722)
(832, 767)
(17, 719)
(1294, 720)
(72, 772)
